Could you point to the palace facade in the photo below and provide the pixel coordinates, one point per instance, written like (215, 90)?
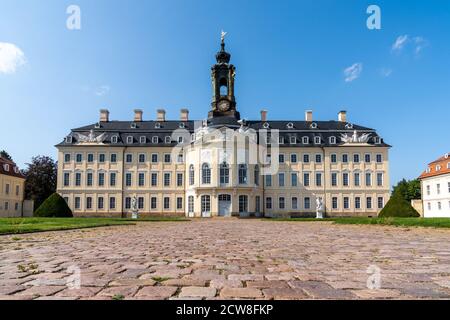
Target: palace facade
(12, 189)
(223, 165)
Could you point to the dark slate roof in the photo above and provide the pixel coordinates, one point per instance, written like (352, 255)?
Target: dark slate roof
(150, 129)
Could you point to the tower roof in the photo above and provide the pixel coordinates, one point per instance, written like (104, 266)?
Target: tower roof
(222, 56)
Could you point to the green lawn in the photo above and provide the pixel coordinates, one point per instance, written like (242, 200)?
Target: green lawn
(400, 222)
(28, 225)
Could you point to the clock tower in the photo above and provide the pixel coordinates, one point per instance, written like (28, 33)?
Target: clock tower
(222, 78)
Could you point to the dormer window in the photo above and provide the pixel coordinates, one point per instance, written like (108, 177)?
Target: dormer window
(168, 139)
(448, 165)
(290, 125)
(114, 139)
(317, 140)
(281, 140)
(349, 126)
(182, 125)
(69, 139)
(377, 140)
(438, 168)
(266, 125)
(142, 139)
(157, 125)
(130, 139)
(332, 140)
(97, 125)
(133, 125)
(180, 139)
(6, 167)
(428, 170)
(16, 170)
(292, 140)
(305, 140)
(155, 139)
(313, 125)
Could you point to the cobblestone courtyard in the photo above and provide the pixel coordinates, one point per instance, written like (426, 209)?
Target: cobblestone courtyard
(227, 259)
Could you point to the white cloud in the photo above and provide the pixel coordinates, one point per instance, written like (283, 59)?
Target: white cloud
(419, 43)
(353, 72)
(386, 72)
(400, 42)
(102, 90)
(11, 57)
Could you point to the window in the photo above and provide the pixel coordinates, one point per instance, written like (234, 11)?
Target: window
(141, 179)
(89, 203)
(128, 179)
(428, 190)
(79, 157)
(367, 158)
(438, 188)
(449, 187)
(318, 179)
(294, 179)
(334, 202)
(142, 139)
(357, 202)
(256, 173)
(167, 179)
(242, 174)
(333, 158)
(356, 158)
(141, 203)
(281, 140)
(243, 203)
(128, 203)
(317, 140)
(281, 158)
(17, 190)
(179, 179)
(67, 157)
(154, 179)
(66, 181)
(77, 202)
(429, 205)
(318, 158)
(112, 203)
(154, 157)
(306, 179)
(7, 188)
(332, 140)
(101, 179)
(167, 158)
(128, 158)
(206, 174)
(305, 140)
(292, 140)
(166, 203)
(439, 205)
(113, 158)
(306, 158)
(333, 179)
(179, 203)
(368, 179)
(112, 179)
(114, 139)
(100, 202)
(16, 205)
(281, 203)
(130, 139)
(346, 203)
(153, 203)
(6, 205)
(357, 179)
(101, 158)
(205, 204)
(379, 158)
(369, 203)
(180, 158)
(142, 158)
(268, 180)
(257, 204)
(268, 203)
(294, 203)
(380, 202)
(281, 179)
(89, 179)
(167, 139)
(224, 173)
(155, 139)
(345, 181)
(78, 179)
(293, 158)
(345, 158)
(191, 175)
(307, 203)
(377, 140)
(191, 204)
(379, 179)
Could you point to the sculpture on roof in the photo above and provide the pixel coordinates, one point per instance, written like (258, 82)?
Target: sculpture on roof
(355, 137)
(90, 138)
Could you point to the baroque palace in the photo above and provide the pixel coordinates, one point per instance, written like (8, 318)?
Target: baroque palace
(223, 165)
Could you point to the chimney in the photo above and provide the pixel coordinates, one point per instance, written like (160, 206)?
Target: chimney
(161, 115)
(263, 115)
(308, 115)
(342, 116)
(184, 115)
(104, 115)
(138, 115)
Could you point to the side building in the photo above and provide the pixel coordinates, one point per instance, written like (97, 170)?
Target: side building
(12, 189)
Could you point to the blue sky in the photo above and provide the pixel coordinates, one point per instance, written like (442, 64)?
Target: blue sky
(290, 56)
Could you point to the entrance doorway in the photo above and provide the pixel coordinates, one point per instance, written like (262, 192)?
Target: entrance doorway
(224, 205)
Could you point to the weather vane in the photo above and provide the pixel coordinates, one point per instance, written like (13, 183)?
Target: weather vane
(222, 36)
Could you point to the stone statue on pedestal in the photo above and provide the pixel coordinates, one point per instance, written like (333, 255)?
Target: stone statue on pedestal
(319, 208)
(134, 208)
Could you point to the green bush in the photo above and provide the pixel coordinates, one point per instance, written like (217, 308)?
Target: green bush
(54, 206)
(397, 206)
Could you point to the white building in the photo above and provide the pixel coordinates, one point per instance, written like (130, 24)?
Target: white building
(435, 184)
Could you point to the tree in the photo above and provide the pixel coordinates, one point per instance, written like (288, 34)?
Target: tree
(40, 180)
(397, 206)
(54, 206)
(4, 154)
(408, 189)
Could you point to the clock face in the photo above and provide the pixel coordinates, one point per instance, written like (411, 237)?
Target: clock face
(224, 105)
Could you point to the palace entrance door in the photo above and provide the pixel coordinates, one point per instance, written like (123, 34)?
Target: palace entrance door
(224, 205)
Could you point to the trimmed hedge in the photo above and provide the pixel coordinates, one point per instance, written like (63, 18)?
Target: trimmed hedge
(54, 206)
(397, 206)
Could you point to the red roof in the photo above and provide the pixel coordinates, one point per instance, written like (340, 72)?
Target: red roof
(437, 167)
(9, 168)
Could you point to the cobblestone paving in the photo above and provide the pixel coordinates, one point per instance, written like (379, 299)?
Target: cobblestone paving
(227, 259)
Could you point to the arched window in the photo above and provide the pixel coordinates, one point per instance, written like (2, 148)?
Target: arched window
(206, 174)
(223, 90)
(257, 175)
(242, 174)
(206, 204)
(224, 173)
(191, 175)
